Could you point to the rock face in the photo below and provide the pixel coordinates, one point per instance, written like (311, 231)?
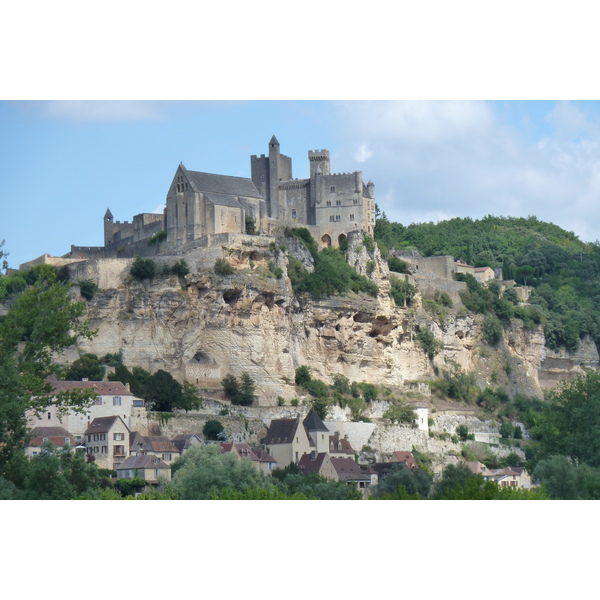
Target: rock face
(205, 325)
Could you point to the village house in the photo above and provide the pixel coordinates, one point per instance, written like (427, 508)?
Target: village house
(349, 472)
(507, 477)
(144, 466)
(319, 463)
(107, 441)
(287, 440)
(185, 441)
(57, 436)
(406, 458)
(340, 447)
(113, 398)
(160, 446)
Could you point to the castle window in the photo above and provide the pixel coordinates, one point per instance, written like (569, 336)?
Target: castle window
(352, 217)
(338, 218)
(328, 202)
(293, 214)
(355, 201)
(332, 188)
(331, 218)
(338, 202)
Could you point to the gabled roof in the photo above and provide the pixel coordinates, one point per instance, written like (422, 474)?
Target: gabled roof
(407, 458)
(281, 431)
(312, 422)
(102, 388)
(152, 443)
(222, 199)
(55, 435)
(263, 455)
(221, 184)
(184, 441)
(339, 445)
(143, 461)
(103, 424)
(312, 463)
(242, 450)
(348, 470)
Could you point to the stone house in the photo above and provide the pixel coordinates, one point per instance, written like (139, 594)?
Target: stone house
(287, 440)
(406, 458)
(340, 447)
(484, 274)
(107, 441)
(517, 477)
(319, 463)
(349, 472)
(113, 398)
(160, 446)
(264, 463)
(57, 436)
(185, 441)
(144, 466)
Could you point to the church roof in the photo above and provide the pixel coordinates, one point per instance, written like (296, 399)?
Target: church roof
(222, 199)
(222, 184)
(313, 422)
(281, 431)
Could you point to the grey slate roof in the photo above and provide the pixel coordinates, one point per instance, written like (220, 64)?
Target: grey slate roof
(222, 199)
(102, 424)
(281, 431)
(222, 184)
(313, 422)
(143, 461)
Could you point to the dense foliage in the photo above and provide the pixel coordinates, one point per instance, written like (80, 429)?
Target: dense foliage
(332, 273)
(563, 270)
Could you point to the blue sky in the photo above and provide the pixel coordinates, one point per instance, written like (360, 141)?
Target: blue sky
(65, 162)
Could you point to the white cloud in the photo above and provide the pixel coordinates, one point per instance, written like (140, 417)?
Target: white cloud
(438, 160)
(362, 154)
(101, 110)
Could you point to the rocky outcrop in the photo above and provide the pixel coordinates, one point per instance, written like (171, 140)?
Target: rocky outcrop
(205, 325)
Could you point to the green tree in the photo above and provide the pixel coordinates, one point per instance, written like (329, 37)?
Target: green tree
(416, 483)
(203, 471)
(42, 322)
(246, 394)
(86, 367)
(570, 421)
(163, 392)
(302, 375)
(213, 430)
(143, 268)
(190, 397)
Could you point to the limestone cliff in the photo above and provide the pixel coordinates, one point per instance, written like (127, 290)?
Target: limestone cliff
(205, 325)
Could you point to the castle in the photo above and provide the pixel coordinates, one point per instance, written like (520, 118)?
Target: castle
(200, 204)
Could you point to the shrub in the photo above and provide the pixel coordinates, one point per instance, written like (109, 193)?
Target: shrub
(213, 430)
(397, 265)
(143, 268)
(401, 291)
(222, 267)
(277, 271)
(87, 288)
(302, 375)
(180, 268)
(157, 238)
(370, 267)
(443, 299)
(492, 330)
(250, 226)
(428, 342)
(369, 243)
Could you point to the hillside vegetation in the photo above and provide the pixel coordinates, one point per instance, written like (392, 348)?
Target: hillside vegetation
(562, 270)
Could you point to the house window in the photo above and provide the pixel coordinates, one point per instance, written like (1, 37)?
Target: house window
(118, 437)
(138, 403)
(96, 449)
(166, 457)
(119, 451)
(49, 416)
(98, 401)
(293, 214)
(95, 437)
(67, 442)
(102, 437)
(104, 449)
(117, 401)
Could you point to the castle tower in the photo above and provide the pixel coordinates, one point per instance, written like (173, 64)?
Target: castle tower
(319, 162)
(108, 227)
